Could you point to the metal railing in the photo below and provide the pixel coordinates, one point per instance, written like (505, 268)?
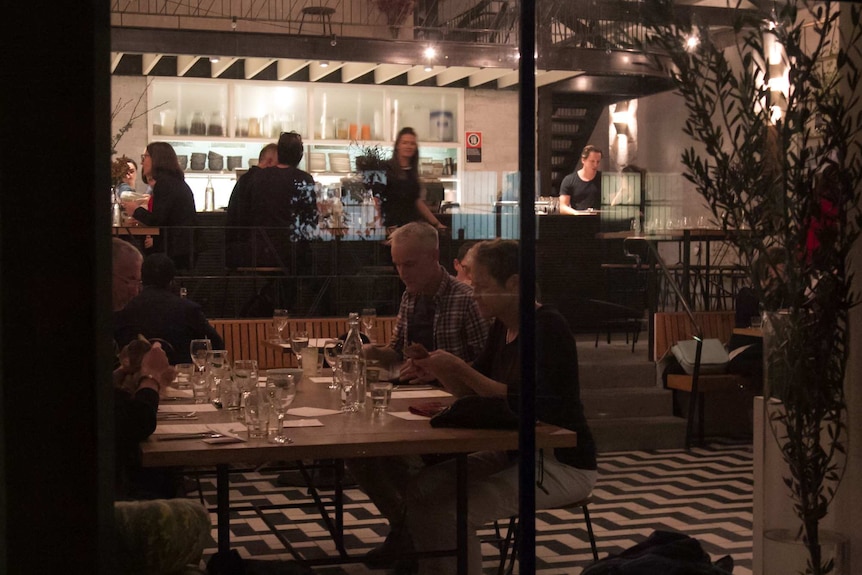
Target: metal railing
(578, 23)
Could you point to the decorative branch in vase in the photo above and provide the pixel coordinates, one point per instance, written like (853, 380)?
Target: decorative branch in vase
(783, 163)
(134, 114)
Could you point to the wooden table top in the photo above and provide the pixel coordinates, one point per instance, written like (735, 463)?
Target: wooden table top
(134, 231)
(343, 435)
(749, 331)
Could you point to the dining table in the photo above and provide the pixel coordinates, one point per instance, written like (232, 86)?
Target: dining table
(319, 429)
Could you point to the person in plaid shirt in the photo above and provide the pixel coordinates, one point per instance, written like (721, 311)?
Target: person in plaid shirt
(438, 312)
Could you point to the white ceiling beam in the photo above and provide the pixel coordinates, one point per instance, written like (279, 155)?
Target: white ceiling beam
(185, 63)
(115, 60)
(484, 75)
(453, 74)
(353, 70)
(219, 68)
(254, 66)
(510, 79)
(149, 62)
(418, 74)
(317, 71)
(385, 72)
(287, 68)
(543, 78)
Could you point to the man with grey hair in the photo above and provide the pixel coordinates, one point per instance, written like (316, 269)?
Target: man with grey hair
(439, 312)
(436, 310)
(126, 262)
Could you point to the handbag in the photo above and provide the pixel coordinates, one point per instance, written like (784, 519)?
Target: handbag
(713, 356)
(477, 412)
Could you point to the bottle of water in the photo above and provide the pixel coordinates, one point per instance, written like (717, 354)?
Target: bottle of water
(209, 196)
(353, 348)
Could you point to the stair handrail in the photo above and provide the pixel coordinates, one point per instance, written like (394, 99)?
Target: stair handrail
(698, 332)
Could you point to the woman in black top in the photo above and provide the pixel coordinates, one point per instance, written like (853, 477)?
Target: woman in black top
(564, 475)
(173, 204)
(401, 202)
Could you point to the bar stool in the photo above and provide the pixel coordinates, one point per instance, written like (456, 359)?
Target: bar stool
(322, 13)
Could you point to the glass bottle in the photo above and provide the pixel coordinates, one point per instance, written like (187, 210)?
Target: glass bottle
(353, 347)
(209, 196)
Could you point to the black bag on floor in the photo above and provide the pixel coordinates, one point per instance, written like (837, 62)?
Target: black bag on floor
(663, 553)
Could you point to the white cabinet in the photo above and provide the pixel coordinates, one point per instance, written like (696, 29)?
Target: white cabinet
(234, 119)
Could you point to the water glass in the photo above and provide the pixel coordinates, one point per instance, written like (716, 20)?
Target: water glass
(200, 387)
(185, 371)
(381, 395)
(309, 360)
(257, 413)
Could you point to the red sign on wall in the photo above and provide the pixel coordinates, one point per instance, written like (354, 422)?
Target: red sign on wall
(474, 146)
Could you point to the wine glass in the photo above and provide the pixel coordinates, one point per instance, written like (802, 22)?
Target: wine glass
(282, 389)
(331, 350)
(279, 319)
(245, 377)
(198, 349)
(298, 342)
(369, 314)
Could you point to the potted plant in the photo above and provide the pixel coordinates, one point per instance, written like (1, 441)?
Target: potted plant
(773, 106)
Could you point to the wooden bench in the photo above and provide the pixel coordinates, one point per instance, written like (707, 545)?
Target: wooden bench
(244, 338)
(673, 327)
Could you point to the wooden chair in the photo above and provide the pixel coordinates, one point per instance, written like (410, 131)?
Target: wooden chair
(509, 542)
(673, 327)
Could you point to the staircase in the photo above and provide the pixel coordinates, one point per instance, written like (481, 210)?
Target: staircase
(625, 408)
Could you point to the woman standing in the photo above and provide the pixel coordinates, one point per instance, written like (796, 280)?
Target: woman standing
(173, 205)
(402, 202)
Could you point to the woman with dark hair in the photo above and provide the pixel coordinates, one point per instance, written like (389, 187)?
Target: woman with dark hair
(564, 475)
(173, 205)
(401, 202)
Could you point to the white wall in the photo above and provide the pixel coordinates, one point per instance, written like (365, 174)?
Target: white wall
(126, 90)
(495, 114)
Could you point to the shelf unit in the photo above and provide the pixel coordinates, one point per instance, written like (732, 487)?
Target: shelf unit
(238, 117)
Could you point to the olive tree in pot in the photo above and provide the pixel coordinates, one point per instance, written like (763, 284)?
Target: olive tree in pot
(780, 168)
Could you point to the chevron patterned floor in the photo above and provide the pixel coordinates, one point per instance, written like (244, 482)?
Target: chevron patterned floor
(705, 493)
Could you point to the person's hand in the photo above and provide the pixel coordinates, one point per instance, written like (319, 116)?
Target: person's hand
(412, 373)
(155, 363)
(130, 207)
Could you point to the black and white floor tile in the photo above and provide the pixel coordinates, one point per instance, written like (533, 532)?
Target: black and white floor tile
(705, 493)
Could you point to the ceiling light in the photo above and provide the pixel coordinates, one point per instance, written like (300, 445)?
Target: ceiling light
(324, 64)
(214, 59)
(429, 68)
(692, 41)
(430, 52)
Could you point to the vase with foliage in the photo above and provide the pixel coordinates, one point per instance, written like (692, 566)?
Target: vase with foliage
(773, 106)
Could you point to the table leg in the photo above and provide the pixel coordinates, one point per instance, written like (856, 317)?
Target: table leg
(686, 267)
(462, 510)
(223, 509)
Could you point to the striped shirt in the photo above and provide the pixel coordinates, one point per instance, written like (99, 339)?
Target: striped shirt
(458, 327)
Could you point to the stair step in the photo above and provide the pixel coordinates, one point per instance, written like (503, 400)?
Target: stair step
(626, 402)
(634, 433)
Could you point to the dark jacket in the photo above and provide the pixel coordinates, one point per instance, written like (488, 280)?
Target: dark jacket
(173, 211)
(159, 313)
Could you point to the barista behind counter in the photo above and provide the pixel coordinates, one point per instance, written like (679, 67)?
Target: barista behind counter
(581, 190)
